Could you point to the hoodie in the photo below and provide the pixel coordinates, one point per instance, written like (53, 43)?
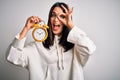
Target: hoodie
(53, 63)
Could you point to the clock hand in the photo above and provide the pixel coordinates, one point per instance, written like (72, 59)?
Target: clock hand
(39, 33)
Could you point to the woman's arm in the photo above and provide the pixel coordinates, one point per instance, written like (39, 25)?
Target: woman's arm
(29, 25)
(17, 53)
(84, 46)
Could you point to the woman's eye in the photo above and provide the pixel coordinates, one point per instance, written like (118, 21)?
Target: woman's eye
(62, 16)
(53, 15)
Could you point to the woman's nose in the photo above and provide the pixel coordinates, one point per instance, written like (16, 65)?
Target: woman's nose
(56, 18)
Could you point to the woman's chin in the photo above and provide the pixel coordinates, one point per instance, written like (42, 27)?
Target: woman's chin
(56, 33)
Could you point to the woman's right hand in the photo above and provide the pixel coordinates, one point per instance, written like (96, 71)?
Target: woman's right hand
(31, 21)
(29, 25)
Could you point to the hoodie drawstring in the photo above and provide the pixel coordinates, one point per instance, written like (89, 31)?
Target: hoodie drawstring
(59, 54)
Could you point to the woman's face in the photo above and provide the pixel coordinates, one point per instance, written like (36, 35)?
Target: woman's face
(57, 26)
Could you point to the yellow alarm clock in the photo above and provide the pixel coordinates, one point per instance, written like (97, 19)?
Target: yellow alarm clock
(39, 32)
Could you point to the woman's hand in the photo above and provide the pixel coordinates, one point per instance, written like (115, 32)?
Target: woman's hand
(66, 18)
(31, 21)
(29, 25)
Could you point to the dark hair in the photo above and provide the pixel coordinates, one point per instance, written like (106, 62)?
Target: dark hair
(63, 40)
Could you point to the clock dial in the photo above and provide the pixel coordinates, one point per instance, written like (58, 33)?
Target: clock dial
(39, 34)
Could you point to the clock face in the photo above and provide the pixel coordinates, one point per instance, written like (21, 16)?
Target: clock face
(39, 34)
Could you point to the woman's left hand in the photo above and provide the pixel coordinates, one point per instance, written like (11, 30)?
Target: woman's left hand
(66, 18)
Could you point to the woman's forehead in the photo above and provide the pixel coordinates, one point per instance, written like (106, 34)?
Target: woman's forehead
(57, 10)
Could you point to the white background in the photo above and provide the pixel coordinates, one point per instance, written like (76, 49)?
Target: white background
(100, 19)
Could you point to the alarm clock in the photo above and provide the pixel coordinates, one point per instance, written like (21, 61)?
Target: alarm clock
(40, 32)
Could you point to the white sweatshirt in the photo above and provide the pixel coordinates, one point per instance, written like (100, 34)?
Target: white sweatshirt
(53, 64)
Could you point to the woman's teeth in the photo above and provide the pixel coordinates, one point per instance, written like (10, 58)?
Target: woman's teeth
(56, 25)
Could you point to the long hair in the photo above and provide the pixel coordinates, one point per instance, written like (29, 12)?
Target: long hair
(63, 40)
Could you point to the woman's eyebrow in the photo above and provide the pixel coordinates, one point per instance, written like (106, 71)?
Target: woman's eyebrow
(54, 12)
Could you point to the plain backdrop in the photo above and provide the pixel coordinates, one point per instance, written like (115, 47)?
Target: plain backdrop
(100, 19)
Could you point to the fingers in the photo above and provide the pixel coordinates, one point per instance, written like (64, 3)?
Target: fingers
(35, 19)
(65, 18)
(64, 9)
(62, 18)
(69, 10)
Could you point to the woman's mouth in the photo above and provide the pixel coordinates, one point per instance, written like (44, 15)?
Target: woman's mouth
(56, 27)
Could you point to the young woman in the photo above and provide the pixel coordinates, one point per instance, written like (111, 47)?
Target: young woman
(61, 56)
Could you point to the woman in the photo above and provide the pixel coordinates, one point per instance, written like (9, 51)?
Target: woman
(61, 56)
